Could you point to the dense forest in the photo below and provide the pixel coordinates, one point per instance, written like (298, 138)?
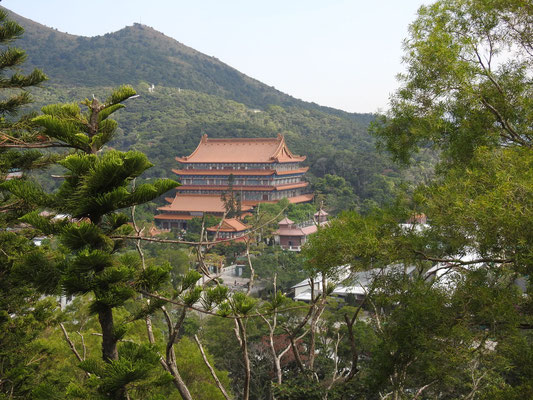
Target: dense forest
(422, 293)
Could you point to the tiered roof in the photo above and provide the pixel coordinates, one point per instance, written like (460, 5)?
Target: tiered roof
(241, 150)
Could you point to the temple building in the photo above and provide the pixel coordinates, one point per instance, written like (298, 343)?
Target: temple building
(258, 170)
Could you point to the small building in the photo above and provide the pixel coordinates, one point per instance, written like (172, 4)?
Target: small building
(292, 236)
(230, 228)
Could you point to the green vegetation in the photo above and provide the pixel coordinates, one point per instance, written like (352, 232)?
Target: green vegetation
(453, 327)
(447, 315)
(195, 94)
(170, 122)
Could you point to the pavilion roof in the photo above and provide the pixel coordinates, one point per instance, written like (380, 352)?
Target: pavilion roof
(229, 225)
(286, 221)
(241, 150)
(290, 232)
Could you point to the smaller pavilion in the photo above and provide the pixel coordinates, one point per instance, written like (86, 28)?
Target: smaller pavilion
(230, 228)
(291, 236)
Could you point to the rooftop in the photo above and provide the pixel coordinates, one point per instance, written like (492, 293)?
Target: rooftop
(229, 225)
(241, 150)
(197, 203)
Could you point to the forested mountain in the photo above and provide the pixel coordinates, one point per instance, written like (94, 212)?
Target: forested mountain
(140, 53)
(196, 94)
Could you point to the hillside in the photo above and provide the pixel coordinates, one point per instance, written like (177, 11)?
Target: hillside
(196, 94)
(139, 53)
(170, 121)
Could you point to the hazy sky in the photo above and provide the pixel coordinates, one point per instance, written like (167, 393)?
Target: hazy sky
(338, 53)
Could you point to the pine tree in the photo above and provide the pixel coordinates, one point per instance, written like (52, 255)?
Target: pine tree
(23, 315)
(84, 214)
(14, 133)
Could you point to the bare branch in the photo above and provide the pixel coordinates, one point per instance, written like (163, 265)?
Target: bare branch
(419, 392)
(70, 343)
(252, 271)
(73, 346)
(458, 261)
(83, 344)
(213, 374)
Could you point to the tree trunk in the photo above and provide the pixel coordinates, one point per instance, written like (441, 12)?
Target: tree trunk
(109, 342)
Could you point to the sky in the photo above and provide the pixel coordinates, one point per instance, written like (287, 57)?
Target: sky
(338, 53)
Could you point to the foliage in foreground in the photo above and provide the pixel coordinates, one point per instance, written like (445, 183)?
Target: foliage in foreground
(443, 316)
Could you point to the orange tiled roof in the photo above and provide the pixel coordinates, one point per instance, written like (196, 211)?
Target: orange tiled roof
(239, 150)
(296, 231)
(229, 225)
(302, 170)
(290, 232)
(292, 186)
(197, 203)
(302, 198)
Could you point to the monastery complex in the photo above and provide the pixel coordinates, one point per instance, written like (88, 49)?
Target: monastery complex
(263, 170)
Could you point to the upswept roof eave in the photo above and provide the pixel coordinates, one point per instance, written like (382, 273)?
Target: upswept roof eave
(186, 158)
(283, 148)
(280, 147)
